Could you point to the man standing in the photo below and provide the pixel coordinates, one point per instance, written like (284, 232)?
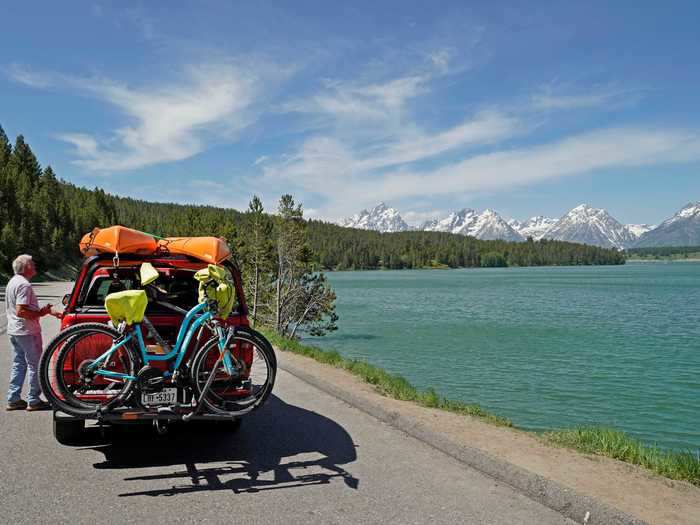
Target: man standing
(23, 327)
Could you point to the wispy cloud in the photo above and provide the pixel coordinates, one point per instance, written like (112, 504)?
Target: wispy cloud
(28, 77)
(441, 59)
(169, 122)
(596, 150)
(368, 130)
(562, 98)
(342, 101)
(330, 169)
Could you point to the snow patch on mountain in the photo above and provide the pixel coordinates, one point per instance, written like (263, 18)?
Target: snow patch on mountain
(487, 225)
(587, 225)
(639, 229)
(380, 218)
(535, 227)
(689, 211)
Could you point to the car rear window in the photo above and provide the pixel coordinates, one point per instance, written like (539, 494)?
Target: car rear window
(179, 286)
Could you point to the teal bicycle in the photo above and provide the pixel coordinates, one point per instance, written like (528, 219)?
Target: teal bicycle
(94, 369)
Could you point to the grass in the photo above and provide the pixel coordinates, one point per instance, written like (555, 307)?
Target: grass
(387, 384)
(618, 445)
(602, 441)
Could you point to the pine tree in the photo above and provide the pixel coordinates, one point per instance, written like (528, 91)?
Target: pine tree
(256, 254)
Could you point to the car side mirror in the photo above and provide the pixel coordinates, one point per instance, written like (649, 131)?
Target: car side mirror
(65, 300)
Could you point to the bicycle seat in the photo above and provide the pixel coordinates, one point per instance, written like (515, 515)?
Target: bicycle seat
(128, 306)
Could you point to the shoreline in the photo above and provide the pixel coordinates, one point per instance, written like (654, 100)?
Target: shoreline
(661, 260)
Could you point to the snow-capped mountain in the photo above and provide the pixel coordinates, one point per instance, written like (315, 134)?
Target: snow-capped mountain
(380, 218)
(683, 229)
(584, 224)
(594, 226)
(535, 227)
(487, 225)
(639, 229)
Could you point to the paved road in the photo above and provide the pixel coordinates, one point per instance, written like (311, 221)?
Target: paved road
(305, 457)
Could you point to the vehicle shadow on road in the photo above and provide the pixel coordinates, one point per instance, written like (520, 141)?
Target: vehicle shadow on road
(254, 457)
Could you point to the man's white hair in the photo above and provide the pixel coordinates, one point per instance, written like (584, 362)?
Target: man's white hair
(20, 263)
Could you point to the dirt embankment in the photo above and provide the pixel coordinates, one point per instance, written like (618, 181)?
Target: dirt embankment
(631, 489)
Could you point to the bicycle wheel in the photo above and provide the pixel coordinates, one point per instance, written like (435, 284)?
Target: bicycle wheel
(244, 392)
(66, 382)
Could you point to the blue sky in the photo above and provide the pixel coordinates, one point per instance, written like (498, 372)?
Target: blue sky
(525, 108)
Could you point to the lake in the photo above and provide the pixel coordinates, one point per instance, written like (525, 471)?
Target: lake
(547, 347)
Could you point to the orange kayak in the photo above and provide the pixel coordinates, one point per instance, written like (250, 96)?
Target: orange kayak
(209, 249)
(117, 239)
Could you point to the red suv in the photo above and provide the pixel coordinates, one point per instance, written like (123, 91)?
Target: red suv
(100, 276)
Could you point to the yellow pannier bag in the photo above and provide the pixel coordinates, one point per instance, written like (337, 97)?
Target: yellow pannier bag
(214, 285)
(129, 306)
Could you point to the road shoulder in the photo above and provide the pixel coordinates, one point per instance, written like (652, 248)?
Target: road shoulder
(567, 481)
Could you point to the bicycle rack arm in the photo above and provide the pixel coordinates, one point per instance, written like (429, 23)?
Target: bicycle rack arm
(205, 391)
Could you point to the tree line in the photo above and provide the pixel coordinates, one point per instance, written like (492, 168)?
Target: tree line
(341, 248)
(663, 251)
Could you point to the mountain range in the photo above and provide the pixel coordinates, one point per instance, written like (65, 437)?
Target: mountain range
(583, 224)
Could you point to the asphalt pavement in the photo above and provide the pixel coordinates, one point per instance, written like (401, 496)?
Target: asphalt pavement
(305, 457)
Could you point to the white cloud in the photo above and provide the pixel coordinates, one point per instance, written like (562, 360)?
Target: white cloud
(361, 102)
(556, 98)
(485, 128)
(441, 59)
(369, 129)
(330, 169)
(347, 171)
(419, 217)
(609, 148)
(27, 77)
(169, 122)
(85, 145)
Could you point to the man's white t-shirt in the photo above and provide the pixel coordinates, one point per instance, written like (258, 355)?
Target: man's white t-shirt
(19, 291)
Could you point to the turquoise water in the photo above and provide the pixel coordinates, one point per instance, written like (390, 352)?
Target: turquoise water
(547, 347)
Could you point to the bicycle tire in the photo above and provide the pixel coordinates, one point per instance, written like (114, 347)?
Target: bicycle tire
(54, 385)
(214, 401)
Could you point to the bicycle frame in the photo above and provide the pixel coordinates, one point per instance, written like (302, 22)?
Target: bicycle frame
(190, 324)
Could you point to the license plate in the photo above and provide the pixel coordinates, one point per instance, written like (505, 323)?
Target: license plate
(167, 396)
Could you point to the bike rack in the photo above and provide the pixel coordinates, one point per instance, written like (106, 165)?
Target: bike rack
(127, 415)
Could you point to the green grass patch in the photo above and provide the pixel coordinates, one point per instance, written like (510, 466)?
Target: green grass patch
(618, 445)
(387, 384)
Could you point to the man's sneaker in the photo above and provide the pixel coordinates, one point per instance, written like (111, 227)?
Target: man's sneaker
(20, 404)
(39, 405)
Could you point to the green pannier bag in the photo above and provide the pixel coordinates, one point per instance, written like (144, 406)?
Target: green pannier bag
(128, 306)
(214, 285)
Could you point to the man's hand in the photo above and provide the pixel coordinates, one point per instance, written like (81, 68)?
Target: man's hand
(45, 310)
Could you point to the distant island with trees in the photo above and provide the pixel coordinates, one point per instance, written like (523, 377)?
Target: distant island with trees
(45, 216)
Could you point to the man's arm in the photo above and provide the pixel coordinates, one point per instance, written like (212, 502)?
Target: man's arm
(25, 312)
